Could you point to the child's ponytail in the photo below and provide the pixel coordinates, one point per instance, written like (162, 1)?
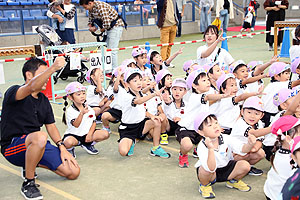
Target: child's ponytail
(64, 109)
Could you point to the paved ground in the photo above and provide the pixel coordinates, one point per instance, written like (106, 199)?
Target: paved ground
(110, 176)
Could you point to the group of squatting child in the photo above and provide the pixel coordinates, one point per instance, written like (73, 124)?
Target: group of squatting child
(223, 113)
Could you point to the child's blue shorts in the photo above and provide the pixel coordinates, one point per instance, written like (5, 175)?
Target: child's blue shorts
(15, 154)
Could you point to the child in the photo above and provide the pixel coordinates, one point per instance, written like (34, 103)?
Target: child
(164, 80)
(96, 95)
(295, 69)
(140, 57)
(52, 7)
(280, 74)
(186, 66)
(229, 106)
(80, 120)
(114, 113)
(285, 128)
(215, 163)
(156, 62)
(290, 189)
(248, 124)
(213, 72)
(247, 21)
(134, 124)
(174, 106)
(240, 71)
(198, 82)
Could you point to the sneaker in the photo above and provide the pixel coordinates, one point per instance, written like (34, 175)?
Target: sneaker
(252, 29)
(72, 152)
(30, 191)
(240, 185)
(195, 154)
(106, 129)
(270, 48)
(23, 173)
(255, 172)
(131, 150)
(160, 152)
(183, 161)
(206, 191)
(164, 139)
(90, 149)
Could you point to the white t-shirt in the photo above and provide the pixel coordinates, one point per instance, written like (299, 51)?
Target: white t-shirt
(226, 111)
(93, 98)
(86, 123)
(270, 138)
(152, 105)
(270, 91)
(171, 111)
(241, 128)
(254, 87)
(249, 17)
(241, 88)
(117, 98)
(277, 177)
(131, 113)
(227, 145)
(294, 51)
(223, 57)
(195, 105)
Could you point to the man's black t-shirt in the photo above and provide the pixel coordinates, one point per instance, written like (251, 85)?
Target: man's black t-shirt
(24, 116)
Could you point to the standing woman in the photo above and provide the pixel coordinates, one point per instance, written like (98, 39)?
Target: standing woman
(69, 11)
(275, 12)
(224, 12)
(205, 7)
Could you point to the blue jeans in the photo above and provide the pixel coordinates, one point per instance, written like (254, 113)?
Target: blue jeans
(113, 38)
(205, 19)
(55, 22)
(224, 21)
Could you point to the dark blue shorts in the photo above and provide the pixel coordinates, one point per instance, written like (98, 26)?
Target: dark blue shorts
(15, 154)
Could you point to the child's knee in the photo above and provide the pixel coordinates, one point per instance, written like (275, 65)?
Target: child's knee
(186, 143)
(123, 151)
(106, 116)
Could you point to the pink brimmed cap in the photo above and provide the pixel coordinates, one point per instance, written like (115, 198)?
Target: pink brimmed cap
(284, 124)
(277, 68)
(115, 71)
(223, 78)
(74, 87)
(282, 95)
(187, 64)
(295, 144)
(128, 61)
(192, 76)
(235, 64)
(251, 65)
(88, 74)
(179, 82)
(254, 102)
(199, 119)
(161, 74)
(295, 63)
(130, 71)
(138, 51)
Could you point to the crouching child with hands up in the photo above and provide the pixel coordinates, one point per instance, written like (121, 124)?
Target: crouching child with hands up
(216, 163)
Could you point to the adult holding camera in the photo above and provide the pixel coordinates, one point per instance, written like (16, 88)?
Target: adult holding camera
(111, 22)
(275, 12)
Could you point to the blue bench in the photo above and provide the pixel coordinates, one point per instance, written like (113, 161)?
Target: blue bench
(38, 15)
(11, 15)
(26, 15)
(2, 18)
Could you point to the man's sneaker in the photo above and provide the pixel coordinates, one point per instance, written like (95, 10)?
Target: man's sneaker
(206, 191)
(30, 191)
(131, 150)
(23, 174)
(255, 172)
(72, 152)
(160, 152)
(90, 149)
(240, 185)
(183, 160)
(164, 139)
(195, 154)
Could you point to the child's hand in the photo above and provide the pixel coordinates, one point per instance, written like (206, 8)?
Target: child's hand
(251, 140)
(119, 72)
(176, 119)
(159, 92)
(152, 84)
(260, 91)
(153, 118)
(209, 143)
(180, 50)
(220, 38)
(227, 93)
(274, 59)
(85, 110)
(266, 76)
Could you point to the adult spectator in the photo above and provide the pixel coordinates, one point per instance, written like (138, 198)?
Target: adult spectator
(275, 12)
(181, 6)
(255, 4)
(69, 11)
(205, 7)
(112, 23)
(167, 20)
(137, 8)
(24, 111)
(224, 12)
